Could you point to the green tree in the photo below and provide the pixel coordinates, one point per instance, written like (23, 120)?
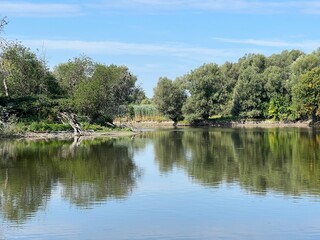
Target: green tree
(284, 59)
(169, 99)
(230, 74)
(109, 88)
(205, 85)
(278, 95)
(307, 94)
(249, 96)
(76, 71)
(304, 64)
(23, 73)
(138, 95)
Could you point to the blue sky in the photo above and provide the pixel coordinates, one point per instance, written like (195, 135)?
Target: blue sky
(157, 38)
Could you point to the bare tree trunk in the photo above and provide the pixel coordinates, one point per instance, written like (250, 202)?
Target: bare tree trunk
(5, 87)
(3, 23)
(72, 120)
(3, 73)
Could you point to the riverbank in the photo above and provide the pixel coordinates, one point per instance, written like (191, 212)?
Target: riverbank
(137, 127)
(226, 123)
(255, 123)
(66, 135)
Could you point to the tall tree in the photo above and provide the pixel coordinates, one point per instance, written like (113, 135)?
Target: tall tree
(23, 73)
(277, 93)
(76, 71)
(109, 88)
(307, 94)
(249, 96)
(138, 95)
(205, 85)
(230, 74)
(169, 99)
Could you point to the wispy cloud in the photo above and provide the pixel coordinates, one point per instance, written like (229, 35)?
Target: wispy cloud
(31, 8)
(241, 6)
(39, 9)
(305, 44)
(123, 48)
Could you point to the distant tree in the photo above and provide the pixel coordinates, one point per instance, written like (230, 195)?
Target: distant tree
(23, 73)
(138, 95)
(169, 99)
(76, 71)
(230, 75)
(102, 97)
(249, 95)
(257, 61)
(277, 93)
(304, 64)
(284, 59)
(307, 94)
(205, 85)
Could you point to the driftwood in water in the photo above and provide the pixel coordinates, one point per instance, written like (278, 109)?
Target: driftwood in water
(71, 118)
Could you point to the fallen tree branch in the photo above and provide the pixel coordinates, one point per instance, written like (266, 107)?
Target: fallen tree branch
(71, 118)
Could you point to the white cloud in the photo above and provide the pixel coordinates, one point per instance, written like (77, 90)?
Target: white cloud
(245, 6)
(123, 48)
(39, 9)
(29, 8)
(305, 44)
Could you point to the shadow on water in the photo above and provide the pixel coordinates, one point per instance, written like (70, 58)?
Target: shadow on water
(88, 171)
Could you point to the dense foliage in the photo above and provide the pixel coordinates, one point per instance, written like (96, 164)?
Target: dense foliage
(169, 99)
(30, 92)
(282, 86)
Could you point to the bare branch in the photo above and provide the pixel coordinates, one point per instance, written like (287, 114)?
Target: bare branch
(4, 21)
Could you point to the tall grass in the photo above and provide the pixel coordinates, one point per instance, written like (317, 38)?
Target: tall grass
(142, 113)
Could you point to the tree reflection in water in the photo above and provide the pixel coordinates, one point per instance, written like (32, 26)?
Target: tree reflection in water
(285, 161)
(282, 160)
(89, 171)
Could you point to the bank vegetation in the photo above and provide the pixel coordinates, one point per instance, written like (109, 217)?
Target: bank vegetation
(84, 95)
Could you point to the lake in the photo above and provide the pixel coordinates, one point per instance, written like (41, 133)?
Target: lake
(188, 183)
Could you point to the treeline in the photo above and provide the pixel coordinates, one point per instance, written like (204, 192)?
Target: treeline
(284, 86)
(31, 92)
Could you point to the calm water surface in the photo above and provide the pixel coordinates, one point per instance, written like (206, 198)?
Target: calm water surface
(167, 184)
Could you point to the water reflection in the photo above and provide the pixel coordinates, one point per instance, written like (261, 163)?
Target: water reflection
(89, 171)
(281, 160)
